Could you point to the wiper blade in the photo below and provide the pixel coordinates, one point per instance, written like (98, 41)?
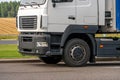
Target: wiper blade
(28, 3)
(23, 5)
(35, 3)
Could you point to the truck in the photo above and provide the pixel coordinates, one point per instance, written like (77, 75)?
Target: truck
(75, 31)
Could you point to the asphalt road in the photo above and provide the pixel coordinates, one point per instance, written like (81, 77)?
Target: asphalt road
(8, 41)
(41, 71)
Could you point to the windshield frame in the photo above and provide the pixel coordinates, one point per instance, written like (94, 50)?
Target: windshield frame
(30, 4)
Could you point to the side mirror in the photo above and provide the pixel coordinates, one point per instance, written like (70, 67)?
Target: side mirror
(56, 1)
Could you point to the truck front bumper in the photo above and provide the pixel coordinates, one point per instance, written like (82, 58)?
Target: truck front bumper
(34, 44)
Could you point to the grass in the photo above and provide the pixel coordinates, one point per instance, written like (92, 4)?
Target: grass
(8, 37)
(10, 51)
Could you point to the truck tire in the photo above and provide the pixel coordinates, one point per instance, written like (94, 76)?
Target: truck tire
(76, 53)
(51, 60)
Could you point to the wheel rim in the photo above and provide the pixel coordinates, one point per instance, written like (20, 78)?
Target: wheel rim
(77, 53)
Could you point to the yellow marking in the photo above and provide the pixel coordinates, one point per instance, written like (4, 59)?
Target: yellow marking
(114, 35)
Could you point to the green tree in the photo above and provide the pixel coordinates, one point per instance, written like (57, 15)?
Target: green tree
(0, 9)
(9, 9)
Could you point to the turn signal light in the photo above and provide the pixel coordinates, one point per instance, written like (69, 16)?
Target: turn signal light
(101, 46)
(85, 27)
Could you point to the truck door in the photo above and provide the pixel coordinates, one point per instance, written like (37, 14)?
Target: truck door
(60, 16)
(87, 12)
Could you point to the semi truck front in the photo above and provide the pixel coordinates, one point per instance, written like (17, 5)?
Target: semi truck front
(65, 29)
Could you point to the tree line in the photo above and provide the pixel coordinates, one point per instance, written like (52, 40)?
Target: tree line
(9, 9)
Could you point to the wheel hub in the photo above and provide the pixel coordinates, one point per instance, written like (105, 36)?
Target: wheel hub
(77, 53)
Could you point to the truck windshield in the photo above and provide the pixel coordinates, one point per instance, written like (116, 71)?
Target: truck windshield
(32, 2)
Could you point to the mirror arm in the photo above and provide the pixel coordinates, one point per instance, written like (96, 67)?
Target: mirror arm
(54, 4)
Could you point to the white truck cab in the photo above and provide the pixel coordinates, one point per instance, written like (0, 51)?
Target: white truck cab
(65, 29)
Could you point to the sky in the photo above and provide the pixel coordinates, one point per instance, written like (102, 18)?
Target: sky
(8, 0)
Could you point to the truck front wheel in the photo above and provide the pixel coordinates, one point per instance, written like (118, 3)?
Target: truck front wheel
(76, 53)
(51, 60)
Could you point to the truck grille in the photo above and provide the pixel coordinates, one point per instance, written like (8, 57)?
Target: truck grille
(27, 39)
(28, 22)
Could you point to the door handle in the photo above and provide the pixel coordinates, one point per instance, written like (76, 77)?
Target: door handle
(71, 17)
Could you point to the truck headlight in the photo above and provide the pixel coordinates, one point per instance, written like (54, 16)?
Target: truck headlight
(41, 44)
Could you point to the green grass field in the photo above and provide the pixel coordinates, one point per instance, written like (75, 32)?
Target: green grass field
(8, 37)
(10, 51)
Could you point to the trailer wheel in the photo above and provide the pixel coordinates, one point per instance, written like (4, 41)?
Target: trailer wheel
(76, 53)
(51, 60)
